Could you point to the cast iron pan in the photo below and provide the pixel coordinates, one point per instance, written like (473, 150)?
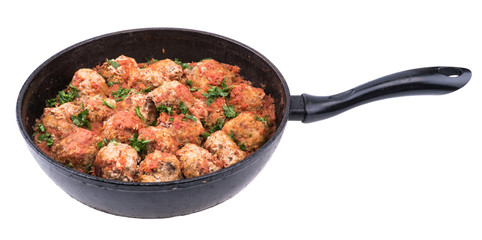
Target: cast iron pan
(167, 199)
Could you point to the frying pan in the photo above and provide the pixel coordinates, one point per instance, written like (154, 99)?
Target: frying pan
(167, 199)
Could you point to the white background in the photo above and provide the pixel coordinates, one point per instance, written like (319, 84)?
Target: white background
(404, 168)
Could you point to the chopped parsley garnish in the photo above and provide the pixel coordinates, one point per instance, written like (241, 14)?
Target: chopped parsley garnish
(229, 111)
(189, 116)
(121, 94)
(215, 92)
(145, 90)
(242, 147)
(194, 89)
(114, 63)
(45, 135)
(47, 138)
(183, 108)
(189, 82)
(139, 114)
(81, 119)
(216, 127)
(183, 65)
(139, 145)
(111, 83)
(262, 119)
(88, 168)
(164, 108)
(68, 96)
(104, 142)
(51, 102)
(108, 104)
(153, 60)
(171, 119)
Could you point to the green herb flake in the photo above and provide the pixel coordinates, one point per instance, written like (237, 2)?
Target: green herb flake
(145, 90)
(47, 138)
(81, 119)
(183, 108)
(190, 117)
(68, 96)
(111, 83)
(189, 82)
(88, 168)
(229, 111)
(262, 119)
(139, 114)
(242, 147)
(183, 65)
(215, 92)
(164, 108)
(108, 104)
(153, 60)
(51, 102)
(121, 94)
(114, 64)
(194, 89)
(139, 145)
(231, 135)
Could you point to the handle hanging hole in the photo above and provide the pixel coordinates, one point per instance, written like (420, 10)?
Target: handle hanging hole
(450, 71)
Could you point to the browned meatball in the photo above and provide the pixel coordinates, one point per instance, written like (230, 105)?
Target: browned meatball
(197, 161)
(171, 94)
(77, 150)
(116, 161)
(118, 70)
(122, 126)
(185, 130)
(159, 167)
(247, 98)
(224, 148)
(161, 139)
(154, 74)
(215, 112)
(57, 120)
(249, 130)
(89, 82)
(100, 107)
(210, 72)
(146, 106)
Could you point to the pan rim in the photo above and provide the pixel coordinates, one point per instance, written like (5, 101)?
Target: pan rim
(183, 183)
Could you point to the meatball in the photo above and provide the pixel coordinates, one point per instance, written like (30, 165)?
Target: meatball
(247, 98)
(100, 107)
(118, 70)
(249, 130)
(159, 167)
(171, 94)
(224, 148)
(89, 82)
(122, 126)
(210, 72)
(116, 161)
(161, 139)
(57, 120)
(146, 106)
(197, 161)
(215, 112)
(77, 150)
(155, 74)
(185, 130)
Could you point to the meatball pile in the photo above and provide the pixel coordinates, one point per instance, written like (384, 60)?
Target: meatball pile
(161, 120)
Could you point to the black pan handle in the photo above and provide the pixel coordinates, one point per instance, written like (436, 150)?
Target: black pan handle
(432, 81)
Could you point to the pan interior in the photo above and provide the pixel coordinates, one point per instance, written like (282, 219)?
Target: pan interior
(141, 44)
